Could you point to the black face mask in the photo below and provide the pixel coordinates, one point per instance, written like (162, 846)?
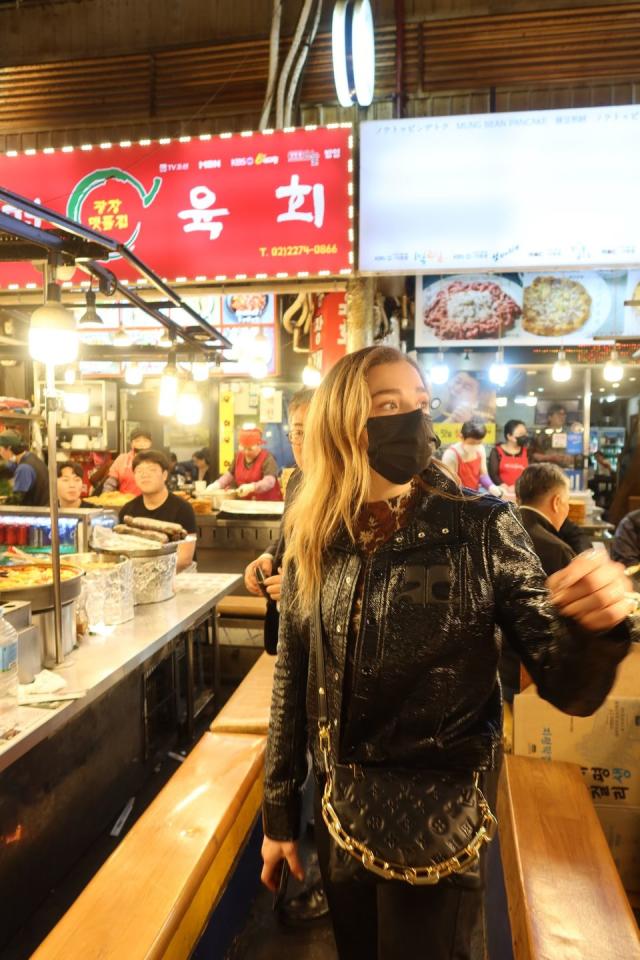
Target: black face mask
(522, 441)
(402, 445)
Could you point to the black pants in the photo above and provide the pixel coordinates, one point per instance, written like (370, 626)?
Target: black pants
(388, 919)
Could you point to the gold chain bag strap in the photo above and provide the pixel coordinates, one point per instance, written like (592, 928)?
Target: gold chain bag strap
(419, 826)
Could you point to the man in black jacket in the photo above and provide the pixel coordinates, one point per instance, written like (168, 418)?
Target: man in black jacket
(543, 496)
(626, 545)
(30, 478)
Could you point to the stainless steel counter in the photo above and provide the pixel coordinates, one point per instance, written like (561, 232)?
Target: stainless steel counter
(94, 668)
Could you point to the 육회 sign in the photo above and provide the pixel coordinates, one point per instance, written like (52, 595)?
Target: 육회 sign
(239, 206)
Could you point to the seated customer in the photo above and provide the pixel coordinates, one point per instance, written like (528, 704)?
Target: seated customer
(626, 545)
(542, 492)
(151, 471)
(70, 486)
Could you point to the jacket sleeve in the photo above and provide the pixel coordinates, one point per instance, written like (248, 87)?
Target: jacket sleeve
(494, 467)
(626, 546)
(573, 668)
(286, 757)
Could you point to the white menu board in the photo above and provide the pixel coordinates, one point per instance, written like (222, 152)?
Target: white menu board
(537, 190)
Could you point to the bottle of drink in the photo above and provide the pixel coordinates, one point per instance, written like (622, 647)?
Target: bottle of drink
(8, 665)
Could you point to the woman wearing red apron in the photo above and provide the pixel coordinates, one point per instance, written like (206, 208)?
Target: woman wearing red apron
(468, 461)
(508, 460)
(254, 472)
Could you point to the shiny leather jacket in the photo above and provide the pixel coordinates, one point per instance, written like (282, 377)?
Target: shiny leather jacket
(419, 686)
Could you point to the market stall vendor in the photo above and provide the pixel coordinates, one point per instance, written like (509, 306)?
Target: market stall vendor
(121, 472)
(30, 475)
(509, 460)
(151, 472)
(467, 459)
(70, 486)
(254, 473)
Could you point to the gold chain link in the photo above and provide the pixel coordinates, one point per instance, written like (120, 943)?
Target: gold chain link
(431, 874)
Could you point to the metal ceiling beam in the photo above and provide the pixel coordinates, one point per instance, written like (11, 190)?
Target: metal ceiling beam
(98, 246)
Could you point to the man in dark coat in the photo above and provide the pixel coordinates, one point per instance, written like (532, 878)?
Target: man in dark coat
(626, 545)
(542, 491)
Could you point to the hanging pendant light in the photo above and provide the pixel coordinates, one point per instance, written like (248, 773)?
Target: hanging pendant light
(168, 389)
(189, 406)
(561, 370)
(53, 337)
(122, 338)
(133, 375)
(613, 369)
(311, 376)
(499, 371)
(90, 317)
(440, 370)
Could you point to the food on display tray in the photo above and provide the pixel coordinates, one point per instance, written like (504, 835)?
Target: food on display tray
(25, 575)
(555, 306)
(470, 309)
(201, 506)
(113, 499)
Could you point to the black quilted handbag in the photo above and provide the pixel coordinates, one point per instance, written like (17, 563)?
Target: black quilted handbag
(420, 826)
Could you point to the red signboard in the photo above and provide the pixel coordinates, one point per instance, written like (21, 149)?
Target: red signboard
(239, 206)
(329, 331)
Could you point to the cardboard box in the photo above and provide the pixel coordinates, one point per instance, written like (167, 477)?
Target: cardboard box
(621, 827)
(606, 745)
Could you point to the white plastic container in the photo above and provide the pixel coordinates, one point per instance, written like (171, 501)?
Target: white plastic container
(8, 665)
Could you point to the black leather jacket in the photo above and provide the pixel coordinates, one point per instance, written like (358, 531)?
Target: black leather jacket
(419, 686)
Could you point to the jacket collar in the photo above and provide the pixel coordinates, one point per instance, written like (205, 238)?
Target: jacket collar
(531, 516)
(436, 519)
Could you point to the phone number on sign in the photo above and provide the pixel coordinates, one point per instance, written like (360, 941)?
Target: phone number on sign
(298, 251)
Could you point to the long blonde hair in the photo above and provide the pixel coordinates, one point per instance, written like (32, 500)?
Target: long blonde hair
(336, 467)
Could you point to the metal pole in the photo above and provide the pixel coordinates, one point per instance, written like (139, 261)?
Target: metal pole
(586, 437)
(52, 407)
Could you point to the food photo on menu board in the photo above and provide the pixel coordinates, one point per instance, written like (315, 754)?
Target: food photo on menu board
(523, 308)
(467, 395)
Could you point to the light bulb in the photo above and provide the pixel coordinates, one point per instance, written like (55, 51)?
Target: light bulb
(501, 401)
(122, 338)
(165, 341)
(53, 338)
(561, 370)
(613, 369)
(611, 398)
(76, 402)
(200, 372)
(70, 376)
(189, 406)
(168, 391)
(499, 371)
(439, 371)
(257, 369)
(133, 375)
(311, 376)
(259, 348)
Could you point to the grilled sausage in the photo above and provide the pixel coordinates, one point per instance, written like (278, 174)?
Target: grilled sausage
(160, 526)
(154, 535)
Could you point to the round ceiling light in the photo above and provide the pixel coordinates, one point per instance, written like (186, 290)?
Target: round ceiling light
(353, 52)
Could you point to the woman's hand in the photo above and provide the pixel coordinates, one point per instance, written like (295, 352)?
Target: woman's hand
(273, 853)
(274, 586)
(265, 562)
(592, 590)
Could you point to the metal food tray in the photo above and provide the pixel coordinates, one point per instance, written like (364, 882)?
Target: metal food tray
(41, 596)
(159, 550)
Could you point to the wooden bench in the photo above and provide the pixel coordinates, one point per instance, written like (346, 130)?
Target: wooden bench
(566, 900)
(247, 710)
(242, 608)
(153, 896)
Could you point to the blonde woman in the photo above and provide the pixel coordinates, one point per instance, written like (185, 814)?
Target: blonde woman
(412, 577)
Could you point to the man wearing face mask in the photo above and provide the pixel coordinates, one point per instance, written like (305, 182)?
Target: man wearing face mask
(543, 496)
(508, 460)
